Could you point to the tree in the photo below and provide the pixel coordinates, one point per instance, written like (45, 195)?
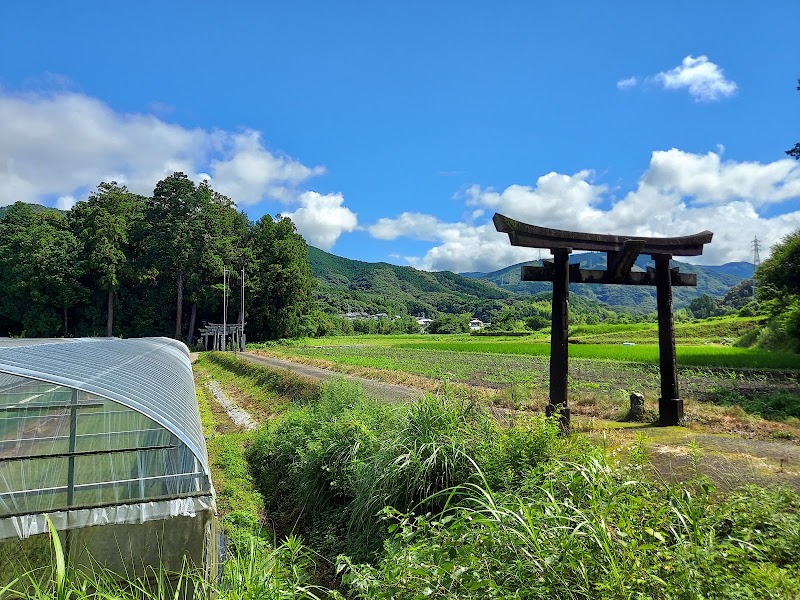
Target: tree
(222, 241)
(446, 323)
(173, 216)
(779, 275)
(703, 307)
(104, 224)
(282, 284)
(779, 288)
(41, 271)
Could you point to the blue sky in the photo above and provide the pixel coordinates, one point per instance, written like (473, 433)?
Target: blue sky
(393, 131)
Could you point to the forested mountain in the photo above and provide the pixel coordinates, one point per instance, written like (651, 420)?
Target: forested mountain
(129, 265)
(713, 281)
(346, 285)
(34, 207)
(353, 286)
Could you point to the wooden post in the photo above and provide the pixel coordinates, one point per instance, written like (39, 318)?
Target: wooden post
(559, 352)
(670, 406)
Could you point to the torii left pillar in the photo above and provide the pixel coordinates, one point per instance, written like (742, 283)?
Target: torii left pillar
(670, 406)
(559, 332)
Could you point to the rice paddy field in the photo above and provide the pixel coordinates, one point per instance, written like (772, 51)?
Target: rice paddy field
(602, 374)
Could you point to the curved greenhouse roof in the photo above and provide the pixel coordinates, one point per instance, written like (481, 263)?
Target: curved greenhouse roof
(98, 422)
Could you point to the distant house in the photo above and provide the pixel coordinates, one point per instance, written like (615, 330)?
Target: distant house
(476, 324)
(423, 322)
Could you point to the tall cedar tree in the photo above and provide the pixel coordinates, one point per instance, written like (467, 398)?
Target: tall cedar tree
(104, 223)
(173, 214)
(223, 242)
(282, 283)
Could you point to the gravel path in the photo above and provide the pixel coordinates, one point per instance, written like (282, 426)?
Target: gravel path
(376, 389)
(239, 416)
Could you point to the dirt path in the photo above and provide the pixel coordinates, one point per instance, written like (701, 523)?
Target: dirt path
(375, 389)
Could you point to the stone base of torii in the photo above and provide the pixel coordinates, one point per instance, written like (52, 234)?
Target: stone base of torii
(622, 252)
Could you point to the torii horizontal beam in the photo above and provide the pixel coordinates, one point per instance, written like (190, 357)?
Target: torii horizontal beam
(533, 236)
(578, 275)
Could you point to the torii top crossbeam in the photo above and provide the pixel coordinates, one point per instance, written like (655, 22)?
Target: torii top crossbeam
(533, 236)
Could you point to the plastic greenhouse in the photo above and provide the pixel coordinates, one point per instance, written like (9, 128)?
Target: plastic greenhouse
(103, 436)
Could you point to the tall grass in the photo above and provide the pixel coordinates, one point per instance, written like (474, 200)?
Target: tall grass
(331, 467)
(280, 573)
(436, 500)
(584, 530)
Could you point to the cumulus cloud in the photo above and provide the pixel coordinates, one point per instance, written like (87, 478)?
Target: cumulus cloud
(680, 193)
(704, 80)
(561, 199)
(65, 202)
(321, 219)
(249, 171)
(417, 225)
(64, 143)
(628, 83)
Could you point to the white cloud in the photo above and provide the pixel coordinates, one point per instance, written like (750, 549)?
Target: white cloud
(65, 202)
(708, 180)
(561, 199)
(64, 143)
(321, 219)
(628, 83)
(416, 225)
(249, 171)
(679, 194)
(704, 80)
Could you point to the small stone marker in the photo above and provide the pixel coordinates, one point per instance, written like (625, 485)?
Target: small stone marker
(637, 407)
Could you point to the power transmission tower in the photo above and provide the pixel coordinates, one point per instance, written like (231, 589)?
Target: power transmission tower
(756, 261)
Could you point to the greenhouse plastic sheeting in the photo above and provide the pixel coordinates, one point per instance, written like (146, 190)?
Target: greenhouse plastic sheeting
(98, 423)
(131, 514)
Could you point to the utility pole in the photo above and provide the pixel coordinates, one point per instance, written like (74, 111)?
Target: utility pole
(756, 261)
(225, 308)
(242, 338)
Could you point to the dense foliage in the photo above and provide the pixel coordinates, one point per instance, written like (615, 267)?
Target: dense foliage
(124, 264)
(779, 291)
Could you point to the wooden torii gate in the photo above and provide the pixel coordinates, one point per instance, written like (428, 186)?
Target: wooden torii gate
(622, 252)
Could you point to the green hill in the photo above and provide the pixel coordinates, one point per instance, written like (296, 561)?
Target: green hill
(354, 286)
(34, 208)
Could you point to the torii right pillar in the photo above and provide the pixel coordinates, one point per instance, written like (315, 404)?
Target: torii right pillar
(670, 406)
